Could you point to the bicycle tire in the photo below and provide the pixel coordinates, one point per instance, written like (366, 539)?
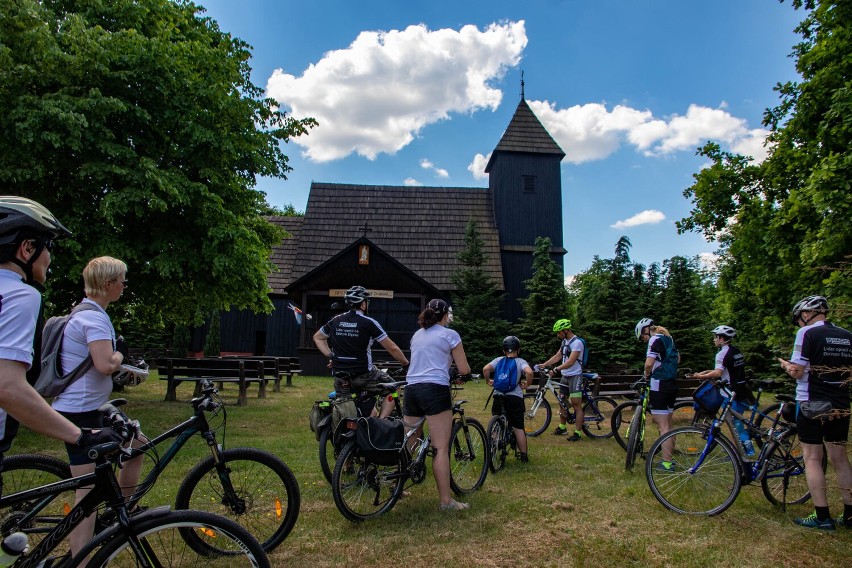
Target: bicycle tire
(600, 410)
(327, 456)
(164, 540)
(28, 471)
(634, 438)
(267, 493)
(711, 489)
(621, 417)
(785, 465)
(469, 456)
(768, 413)
(496, 436)
(363, 489)
(536, 419)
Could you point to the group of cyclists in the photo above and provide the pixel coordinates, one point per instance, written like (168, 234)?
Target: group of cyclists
(820, 363)
(822, 357)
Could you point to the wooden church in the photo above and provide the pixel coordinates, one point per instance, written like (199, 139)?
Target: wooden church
(402, 243)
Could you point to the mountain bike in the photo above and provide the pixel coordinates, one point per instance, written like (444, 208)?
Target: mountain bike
(363, 488)
(707, 469)
(250, 486)
(153, 538)
(682, 415)
(329, 440)
(500, 435)
(597, 410)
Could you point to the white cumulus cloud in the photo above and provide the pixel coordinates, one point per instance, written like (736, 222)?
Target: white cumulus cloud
(411, 182)
(647, 217)
(440, 172)
(378, 93)
(477, 166)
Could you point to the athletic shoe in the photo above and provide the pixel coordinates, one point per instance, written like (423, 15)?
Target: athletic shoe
(575, 437)
(841, 522)
(560, 431)
(812, 522)
(662, 467)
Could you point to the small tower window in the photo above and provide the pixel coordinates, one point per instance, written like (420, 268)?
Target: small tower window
(529, 184)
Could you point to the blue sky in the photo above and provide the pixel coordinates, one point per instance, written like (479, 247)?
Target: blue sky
(419, 93)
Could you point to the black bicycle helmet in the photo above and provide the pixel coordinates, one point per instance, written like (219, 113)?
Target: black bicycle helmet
(24, 218)
(810, 304)
(511, 343)
(355, 295)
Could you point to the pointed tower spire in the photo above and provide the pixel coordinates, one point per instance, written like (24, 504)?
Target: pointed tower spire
(522, 85)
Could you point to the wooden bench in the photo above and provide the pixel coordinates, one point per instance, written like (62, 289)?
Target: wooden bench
(620, 386)
(221, 370)
(289, 368)
(275, 368)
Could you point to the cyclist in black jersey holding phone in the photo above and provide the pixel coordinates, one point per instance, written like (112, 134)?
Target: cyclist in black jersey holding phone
(730, 366)
(347, 340)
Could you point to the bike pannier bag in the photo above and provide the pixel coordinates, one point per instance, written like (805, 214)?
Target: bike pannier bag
(708, 397)
(380, 440)
(342, 408)
(319, 410)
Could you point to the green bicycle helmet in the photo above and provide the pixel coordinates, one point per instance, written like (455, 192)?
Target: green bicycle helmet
(561, 325)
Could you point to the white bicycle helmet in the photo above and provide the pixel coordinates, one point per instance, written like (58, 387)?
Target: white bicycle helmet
(643, 323)
(809, 304)
(131, 375)
(355, 295)
(724, 331)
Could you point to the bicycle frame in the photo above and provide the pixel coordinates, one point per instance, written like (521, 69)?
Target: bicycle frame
(105, 489)
(566, 407)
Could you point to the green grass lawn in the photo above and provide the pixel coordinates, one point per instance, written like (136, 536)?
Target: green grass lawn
(572, 505)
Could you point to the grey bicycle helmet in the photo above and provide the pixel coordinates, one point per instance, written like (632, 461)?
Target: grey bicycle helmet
(724, 331)
(22, 217)
(511, 343)
(355, 295)
(643, 323)
(810, 304)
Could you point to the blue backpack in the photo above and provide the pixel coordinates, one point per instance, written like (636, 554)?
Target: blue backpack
(667, 371)
(585, 360)
(506, 375)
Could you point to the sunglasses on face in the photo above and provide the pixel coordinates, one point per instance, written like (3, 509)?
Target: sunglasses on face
(46, 244)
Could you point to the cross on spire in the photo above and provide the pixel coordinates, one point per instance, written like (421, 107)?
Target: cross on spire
(366, 228)
(522, 86)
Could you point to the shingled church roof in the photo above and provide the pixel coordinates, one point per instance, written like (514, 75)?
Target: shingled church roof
(525, 134)
(420, 227)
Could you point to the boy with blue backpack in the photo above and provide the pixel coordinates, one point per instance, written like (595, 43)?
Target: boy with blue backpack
(510, 375)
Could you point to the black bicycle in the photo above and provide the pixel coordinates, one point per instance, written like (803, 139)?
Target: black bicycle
(597, 410)
(500, 434)
(155, 538)
(364, 487)
(248, 485)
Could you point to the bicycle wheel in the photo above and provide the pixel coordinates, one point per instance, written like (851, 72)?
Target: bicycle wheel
(620, 421)
(597, 417)
(708, 490)
(537, 415)
(27, 471)
(783, 481)
(496, 439)
(363, 489)
(469, 456)
(266, 496)
(326, 453)
(635, 438)
(165, 544)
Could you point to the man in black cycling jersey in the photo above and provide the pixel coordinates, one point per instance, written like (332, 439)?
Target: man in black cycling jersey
(822, 357)
(347, 340)
(730, 365)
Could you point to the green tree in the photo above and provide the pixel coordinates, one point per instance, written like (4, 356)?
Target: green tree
(137, 123)
(547, 302)
(476, 303)
(212, 343)
(783, 225)
(685, 312)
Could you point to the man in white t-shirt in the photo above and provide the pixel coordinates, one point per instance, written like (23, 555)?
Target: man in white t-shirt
(569, 358)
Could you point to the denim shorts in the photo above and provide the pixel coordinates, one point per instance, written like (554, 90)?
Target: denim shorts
(426, 399)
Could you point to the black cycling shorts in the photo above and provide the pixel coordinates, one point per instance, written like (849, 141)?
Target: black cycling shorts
(662, 401)
(819, 430)
(514, 409)
(426, 399)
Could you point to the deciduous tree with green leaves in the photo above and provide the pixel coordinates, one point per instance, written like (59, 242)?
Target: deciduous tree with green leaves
(136, 122)
(783, 224)
(476, 303)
